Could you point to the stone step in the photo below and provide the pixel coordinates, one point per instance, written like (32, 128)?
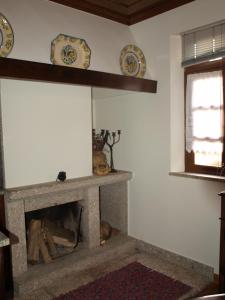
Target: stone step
(42, 275)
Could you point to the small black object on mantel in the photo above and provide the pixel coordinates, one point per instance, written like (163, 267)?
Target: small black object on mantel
(61, 176)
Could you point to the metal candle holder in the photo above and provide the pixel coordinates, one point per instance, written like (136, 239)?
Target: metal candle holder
(111, 138)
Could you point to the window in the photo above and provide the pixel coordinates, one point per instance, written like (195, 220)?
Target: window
(204, 96)
(204, 118)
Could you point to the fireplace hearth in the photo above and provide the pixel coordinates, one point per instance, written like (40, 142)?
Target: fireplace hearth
(22, 202)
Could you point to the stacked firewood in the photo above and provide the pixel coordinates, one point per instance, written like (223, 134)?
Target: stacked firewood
(43, 238)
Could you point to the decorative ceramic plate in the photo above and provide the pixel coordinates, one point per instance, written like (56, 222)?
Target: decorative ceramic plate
(70, 51)
(6, 37)
(132, 61)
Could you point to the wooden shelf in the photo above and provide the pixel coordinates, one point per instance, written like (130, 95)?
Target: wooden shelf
(28, 70)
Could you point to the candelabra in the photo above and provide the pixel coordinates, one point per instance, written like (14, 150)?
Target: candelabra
(111, 138)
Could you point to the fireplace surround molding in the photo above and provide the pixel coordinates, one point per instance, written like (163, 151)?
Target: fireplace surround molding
(112, 189)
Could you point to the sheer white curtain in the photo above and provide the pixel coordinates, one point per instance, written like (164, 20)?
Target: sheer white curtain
(204, 118)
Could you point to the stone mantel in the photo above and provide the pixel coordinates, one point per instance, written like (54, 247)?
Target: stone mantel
(21, 193)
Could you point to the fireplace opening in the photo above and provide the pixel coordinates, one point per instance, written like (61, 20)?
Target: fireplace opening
(53, 232)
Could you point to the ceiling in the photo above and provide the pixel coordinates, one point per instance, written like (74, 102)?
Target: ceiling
(126, 12)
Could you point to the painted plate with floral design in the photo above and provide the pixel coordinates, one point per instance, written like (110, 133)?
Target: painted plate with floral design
(132, 61)
(6, 37)
(70, 51)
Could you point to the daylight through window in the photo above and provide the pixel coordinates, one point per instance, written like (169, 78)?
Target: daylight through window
(204, 118)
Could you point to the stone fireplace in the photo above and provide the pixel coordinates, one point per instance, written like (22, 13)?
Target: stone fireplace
(106, 193)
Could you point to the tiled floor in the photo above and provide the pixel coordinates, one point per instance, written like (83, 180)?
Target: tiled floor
(77, 279)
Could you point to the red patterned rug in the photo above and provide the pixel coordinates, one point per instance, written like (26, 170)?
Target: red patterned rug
(133, 282)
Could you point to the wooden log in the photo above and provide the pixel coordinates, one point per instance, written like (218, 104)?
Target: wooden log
(63, 241)
(44, 250)
(35, 255)
(60, 235)
(48, 239)
(33, 241)
(51, 244)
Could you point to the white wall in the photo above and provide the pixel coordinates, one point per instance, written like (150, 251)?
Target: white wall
(46, 129)
(178, 214)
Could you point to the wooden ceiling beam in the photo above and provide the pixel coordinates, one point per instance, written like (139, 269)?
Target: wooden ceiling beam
(156, 9)
(111, 6)
(140, 5)
(95, 9)
(127, 12)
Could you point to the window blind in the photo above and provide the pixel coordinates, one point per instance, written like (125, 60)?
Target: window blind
(203, 44)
